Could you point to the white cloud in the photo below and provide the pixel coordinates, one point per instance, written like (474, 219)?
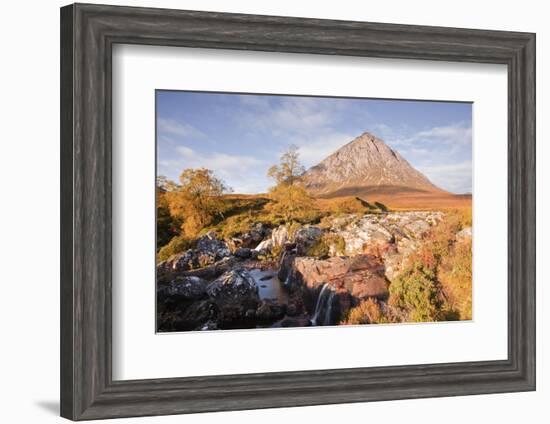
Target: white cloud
(292, 116)
(181, 129)
(449, 135)
(454, 177)
(244, 174)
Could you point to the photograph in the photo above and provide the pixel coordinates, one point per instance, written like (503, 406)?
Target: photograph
(277, 211)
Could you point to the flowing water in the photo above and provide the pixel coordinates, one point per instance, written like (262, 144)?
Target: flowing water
(323, 307)
(270, 287)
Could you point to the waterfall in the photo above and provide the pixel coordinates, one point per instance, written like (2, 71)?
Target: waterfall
(323, 307)
(328, 312)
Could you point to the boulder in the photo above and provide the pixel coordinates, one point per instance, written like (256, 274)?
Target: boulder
(191, 317)
(182, 288)
(253, 237)
(278, 238)
(270, 310)
(361, 276)
(209, 251)
(305, 237)
(171, 267)
(210, 245)
(234, 293)
(208, 272)
(365, 234)
(280, 235)
(265, 246)
(243, 252)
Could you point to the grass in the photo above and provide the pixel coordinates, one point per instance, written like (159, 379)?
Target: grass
(436, 282)
(177, 244)
(367, 312)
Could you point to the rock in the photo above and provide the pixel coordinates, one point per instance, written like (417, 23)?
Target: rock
(182, 288)
(361, 276)
(233, 293)
(212, 271)
(264, 246)
(270, 311)
(291, 309)
(302, 321)
(305, 237)
(395, 258)
(250, 314)
(418, 228)
(253, 237)
(365, 233)
(211, 246)
(209, 251)
(278, 238)
(171, 267)
(191, 317)
(279, 235)
(243, 252)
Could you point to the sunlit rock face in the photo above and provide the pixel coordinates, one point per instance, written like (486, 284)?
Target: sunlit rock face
(366, 163)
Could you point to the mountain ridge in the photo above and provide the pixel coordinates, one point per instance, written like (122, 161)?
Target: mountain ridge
(365, 165)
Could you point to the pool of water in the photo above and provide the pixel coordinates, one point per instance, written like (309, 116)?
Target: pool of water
(269, 285)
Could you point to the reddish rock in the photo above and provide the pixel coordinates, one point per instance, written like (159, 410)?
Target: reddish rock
(361, 276)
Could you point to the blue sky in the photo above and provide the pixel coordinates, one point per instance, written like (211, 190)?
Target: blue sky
(239, 136)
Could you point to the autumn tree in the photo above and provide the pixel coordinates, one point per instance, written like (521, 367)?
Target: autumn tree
(290, 199)
(167, 225)
(289, 167)
(197, 199)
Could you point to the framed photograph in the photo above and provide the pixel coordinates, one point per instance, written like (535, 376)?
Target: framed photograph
(269, 211)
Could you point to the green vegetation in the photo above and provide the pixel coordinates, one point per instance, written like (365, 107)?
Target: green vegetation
(436, 283)
(416, 290)
(178, 244)
(352, 205)
(455, 275)
(290, 200)
(200, 202)
(322, 248)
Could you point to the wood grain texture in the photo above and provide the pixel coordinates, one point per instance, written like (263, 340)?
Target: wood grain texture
(88, 33)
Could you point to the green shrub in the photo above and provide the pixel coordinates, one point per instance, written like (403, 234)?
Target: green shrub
(322, 247)
(176, 245)
(338, 242)
(416, 290)
(319, 249)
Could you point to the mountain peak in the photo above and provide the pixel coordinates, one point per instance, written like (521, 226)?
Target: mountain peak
(365, 162)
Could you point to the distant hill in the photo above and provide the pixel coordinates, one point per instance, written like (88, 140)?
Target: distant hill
(368, 168)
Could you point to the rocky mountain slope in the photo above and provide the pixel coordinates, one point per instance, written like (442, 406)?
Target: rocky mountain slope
(365, 166)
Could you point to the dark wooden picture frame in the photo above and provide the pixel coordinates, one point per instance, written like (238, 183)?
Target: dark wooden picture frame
(88, 33)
